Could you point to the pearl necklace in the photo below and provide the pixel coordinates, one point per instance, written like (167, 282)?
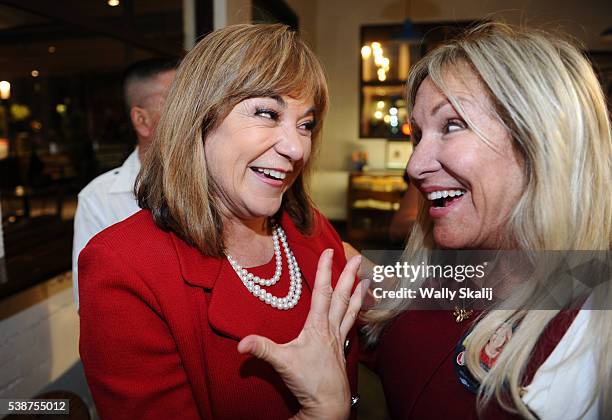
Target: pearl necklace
(254, 283)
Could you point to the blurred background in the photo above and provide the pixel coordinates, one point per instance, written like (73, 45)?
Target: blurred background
(63, 122)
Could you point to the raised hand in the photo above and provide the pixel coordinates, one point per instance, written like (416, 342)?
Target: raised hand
(313, 366)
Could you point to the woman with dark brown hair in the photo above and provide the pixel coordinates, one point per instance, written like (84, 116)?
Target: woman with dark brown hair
(226, 245)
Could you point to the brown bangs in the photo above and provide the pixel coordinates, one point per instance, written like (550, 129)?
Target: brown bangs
(226, 67)
(287, 67)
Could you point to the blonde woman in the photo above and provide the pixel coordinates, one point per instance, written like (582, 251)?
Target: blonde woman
(513, 122)
(227, 244)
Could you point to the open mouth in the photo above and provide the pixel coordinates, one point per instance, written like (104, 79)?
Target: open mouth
(444, 198)
(269, 173)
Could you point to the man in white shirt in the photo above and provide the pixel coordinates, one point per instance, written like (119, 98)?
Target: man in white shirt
(110, 198)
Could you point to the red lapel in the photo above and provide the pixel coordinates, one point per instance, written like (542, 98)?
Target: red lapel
(232, 310)
(196, 269)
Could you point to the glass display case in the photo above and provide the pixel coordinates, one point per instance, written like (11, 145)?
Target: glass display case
(62, 118)
(386, 54)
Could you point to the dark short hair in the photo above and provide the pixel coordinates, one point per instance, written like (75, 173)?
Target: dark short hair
(145, 69)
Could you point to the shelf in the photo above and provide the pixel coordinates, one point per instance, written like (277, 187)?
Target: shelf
(373, 198)
(390, 83)
(373, 204)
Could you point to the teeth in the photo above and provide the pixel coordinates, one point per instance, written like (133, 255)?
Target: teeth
(271, 172)
(435, 195)
(278, 174)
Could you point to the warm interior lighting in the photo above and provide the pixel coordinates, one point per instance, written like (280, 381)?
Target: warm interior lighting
(61, 109)
(5, 90)
(366, 52)
(4, 148)
(406, 129)
(113, 3)
(378, 115)
(51, 49)
(34, 73)
(380, 60)
(380, 104)
(20, 112)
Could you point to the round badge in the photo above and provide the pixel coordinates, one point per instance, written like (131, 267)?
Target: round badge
(461, 358)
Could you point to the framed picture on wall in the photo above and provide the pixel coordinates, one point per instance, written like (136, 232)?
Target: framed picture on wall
(398, 153)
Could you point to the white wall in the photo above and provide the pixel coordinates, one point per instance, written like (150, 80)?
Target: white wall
(337, 44)
(231, 12)
(584, 20)
(307, 12)
(38, 344)
(338, 33)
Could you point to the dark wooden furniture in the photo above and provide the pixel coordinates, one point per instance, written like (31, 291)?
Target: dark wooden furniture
(373, 197)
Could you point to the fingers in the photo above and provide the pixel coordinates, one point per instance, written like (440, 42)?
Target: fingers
(342, 292)
(262, 348)
(322, 292)
(353, 308)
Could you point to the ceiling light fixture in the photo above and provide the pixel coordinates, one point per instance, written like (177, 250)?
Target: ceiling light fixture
(5, 90)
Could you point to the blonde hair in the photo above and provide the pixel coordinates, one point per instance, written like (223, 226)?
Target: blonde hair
(226, 67)
(547, 95)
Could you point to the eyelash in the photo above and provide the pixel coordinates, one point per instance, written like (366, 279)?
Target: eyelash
(273, 115)
(456, 122)
(416, 133)
(261, 111)
(309, 125)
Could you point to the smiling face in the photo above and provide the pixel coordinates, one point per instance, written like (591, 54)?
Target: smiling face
(471, 185)
(257, 152)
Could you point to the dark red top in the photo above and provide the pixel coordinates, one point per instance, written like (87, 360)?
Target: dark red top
(415, 361)
(160, 324)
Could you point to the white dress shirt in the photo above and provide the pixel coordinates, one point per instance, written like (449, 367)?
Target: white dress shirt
(106, 200)
(564, 383)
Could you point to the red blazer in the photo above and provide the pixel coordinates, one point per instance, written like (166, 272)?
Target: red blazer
(160, 324)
